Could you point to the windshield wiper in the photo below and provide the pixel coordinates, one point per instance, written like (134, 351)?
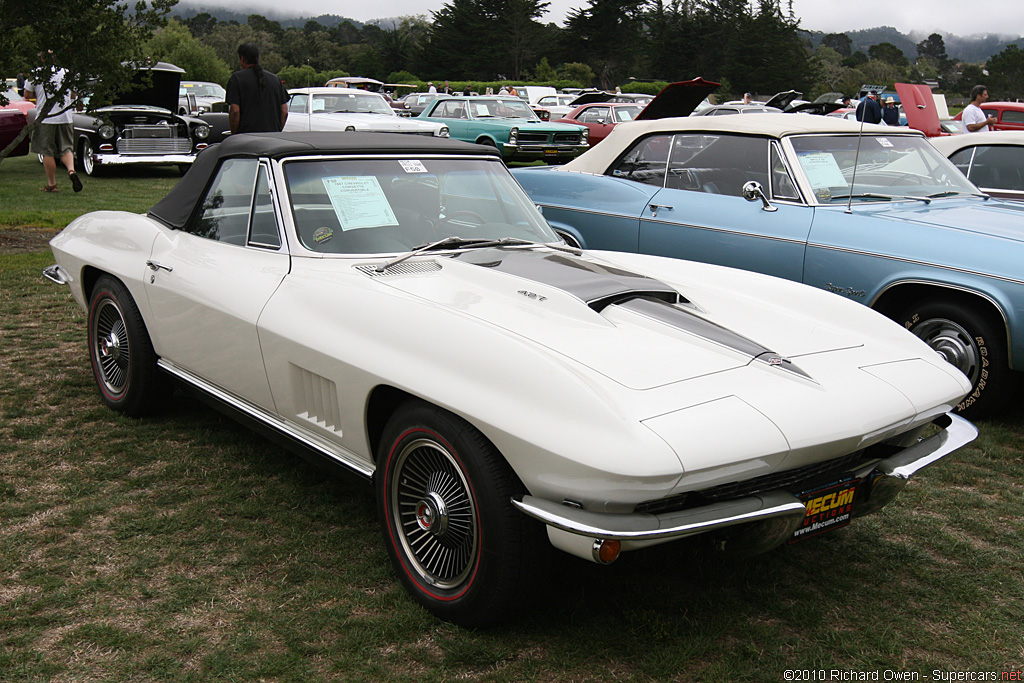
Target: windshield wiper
(457, 242)
(872, 195)
(957, 193)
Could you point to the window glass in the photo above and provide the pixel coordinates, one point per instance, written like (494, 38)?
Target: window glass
(263, 231)
(225, 210)
(372, 206)
(783, 186)
(717, 164)
(962, 160)
(645, 162)
(875, 168)
(626, 113)
(595, 115)
(298, 103)
(998, 167)
(1011, 116)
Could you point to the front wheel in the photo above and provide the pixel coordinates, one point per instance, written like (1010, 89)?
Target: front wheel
(970, 342)
(85, 159)
(444, 500)
(121, 354)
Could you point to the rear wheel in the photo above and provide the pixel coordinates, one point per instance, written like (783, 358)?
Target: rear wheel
(970, 342)
(121, 354)
(444, 499)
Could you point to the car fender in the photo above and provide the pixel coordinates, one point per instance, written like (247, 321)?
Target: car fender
(113, 242)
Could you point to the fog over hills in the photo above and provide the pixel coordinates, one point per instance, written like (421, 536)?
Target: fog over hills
(974, 48)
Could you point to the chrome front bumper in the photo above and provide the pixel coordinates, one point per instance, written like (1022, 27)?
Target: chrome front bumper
(891, 474)
(142, 159)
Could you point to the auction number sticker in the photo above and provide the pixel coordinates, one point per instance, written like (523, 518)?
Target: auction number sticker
(413, 166)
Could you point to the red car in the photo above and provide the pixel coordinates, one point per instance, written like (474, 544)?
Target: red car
(11, 123)
(601, 117)
(1009, 115)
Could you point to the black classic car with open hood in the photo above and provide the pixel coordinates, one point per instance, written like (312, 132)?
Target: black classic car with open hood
(140, 126)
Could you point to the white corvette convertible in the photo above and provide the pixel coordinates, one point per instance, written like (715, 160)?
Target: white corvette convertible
(396, 305)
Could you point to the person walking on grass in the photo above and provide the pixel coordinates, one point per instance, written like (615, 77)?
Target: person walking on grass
(54, 138)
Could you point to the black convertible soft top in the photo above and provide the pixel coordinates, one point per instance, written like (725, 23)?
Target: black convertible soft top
(176, 208)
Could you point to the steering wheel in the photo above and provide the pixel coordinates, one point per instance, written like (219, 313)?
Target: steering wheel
(458, 214)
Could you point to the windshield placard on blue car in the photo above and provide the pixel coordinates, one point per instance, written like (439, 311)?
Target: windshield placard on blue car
(359, 202)
(822, 170)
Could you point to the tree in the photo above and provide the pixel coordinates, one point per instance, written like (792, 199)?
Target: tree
(201, 24)
(1006, 73)
(544, 72)
(888, 53)
(577, 72)
(840, 42)
(92, 39)
(174, 43)
(933, 46)
(855, 60)
(610, 33)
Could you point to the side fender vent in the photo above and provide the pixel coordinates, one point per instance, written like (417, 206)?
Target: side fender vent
(316, 398)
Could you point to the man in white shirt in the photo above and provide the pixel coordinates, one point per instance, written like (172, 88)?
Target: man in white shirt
(430, 88)
(973, 117)
(54, 137)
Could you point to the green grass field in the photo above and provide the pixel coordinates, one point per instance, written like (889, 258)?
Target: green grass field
(184, 548)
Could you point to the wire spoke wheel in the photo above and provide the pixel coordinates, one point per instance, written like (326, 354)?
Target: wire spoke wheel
(434, 513)
(111, 347)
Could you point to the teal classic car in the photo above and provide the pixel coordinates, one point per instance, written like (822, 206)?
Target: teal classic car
(508, 124)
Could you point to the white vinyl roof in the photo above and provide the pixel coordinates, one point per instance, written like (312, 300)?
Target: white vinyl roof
(622, 136)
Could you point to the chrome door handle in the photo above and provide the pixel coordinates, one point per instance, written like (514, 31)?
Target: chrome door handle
(655, 207)
(154, 266)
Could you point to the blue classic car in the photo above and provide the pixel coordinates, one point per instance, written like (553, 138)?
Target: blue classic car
(876, 215)
(508, 124)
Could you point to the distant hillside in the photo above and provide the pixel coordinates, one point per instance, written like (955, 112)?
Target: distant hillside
(976, 48)
(186, 10)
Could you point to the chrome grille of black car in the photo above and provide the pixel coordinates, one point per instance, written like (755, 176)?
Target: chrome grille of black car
(154, 146)
(794, 481)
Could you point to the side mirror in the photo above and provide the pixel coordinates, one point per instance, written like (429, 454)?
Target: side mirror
(752, 191)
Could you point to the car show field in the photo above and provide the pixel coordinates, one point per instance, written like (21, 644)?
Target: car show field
(182, 547)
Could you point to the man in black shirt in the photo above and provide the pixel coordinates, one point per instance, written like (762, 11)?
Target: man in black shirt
(257, 100)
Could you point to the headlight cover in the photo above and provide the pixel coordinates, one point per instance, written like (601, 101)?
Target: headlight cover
(513, 136)
(202, 131)
(106, 131)
(444, 132)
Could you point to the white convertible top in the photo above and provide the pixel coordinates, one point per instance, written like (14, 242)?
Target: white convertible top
(597, 159)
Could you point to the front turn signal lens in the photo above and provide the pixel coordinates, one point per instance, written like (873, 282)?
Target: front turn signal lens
(606, 552)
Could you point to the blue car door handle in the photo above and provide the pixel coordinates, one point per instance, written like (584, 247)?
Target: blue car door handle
(655, 207)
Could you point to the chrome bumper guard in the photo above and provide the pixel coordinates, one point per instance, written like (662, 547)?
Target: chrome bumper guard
(56, 274)
(898, 469)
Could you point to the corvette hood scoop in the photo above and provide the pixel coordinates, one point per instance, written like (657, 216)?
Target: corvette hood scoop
(631, 328)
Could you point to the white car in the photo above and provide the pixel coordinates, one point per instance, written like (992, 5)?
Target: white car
(351, 109)
(398, 307)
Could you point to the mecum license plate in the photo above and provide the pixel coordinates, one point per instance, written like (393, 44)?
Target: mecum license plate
(828, 508)
(550, 152)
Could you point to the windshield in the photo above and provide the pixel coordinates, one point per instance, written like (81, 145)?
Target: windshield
(205, 90)
(351, 103)
(627, 113)
(887, 167)
(506, 109)
(387, 206)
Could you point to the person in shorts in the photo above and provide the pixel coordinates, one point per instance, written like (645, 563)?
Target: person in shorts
(54, 137)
